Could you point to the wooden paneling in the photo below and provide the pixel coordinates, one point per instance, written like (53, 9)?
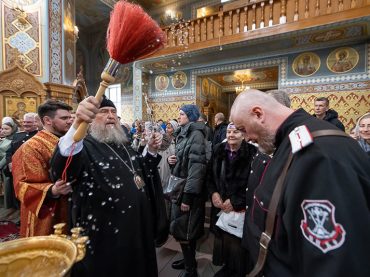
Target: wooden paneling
(239, 21)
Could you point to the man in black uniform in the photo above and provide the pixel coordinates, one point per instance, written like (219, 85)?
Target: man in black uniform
(323, 220)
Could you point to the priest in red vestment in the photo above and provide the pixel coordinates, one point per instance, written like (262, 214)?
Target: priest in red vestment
(43, 203)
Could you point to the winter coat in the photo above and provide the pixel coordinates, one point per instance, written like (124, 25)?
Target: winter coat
(231, 181)
(332, 117)
(191, 165)
(219, 134)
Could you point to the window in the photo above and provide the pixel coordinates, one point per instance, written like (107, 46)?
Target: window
(113, 92)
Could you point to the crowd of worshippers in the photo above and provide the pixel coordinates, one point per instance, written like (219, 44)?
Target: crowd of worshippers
(290, 191)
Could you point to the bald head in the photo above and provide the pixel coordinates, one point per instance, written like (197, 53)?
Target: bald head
(219, 118)
(259, 115)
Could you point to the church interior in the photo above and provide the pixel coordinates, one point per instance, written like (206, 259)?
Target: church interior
(215, 49)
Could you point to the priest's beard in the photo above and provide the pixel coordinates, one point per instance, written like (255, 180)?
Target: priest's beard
(108, 133)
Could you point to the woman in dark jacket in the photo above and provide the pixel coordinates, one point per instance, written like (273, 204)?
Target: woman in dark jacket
(227, 181)
(187, 216)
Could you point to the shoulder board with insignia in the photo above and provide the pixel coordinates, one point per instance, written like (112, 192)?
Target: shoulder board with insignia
(299, 138)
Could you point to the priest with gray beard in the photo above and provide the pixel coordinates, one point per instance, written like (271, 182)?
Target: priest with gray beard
(117, 195)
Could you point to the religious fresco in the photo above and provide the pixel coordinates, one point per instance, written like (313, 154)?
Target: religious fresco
(179, 80)
(17, 107)
(205, 86)
(21, 34)
(342, 60)
(161, 82)
(306, 64)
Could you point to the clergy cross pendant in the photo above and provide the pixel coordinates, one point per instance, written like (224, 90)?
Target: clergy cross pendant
(138, 181)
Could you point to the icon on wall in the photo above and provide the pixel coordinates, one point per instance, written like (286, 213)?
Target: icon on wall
(17, 107)
(179, 80)
(306, 64)
(342, 60)
(205, 86)
(161, 82)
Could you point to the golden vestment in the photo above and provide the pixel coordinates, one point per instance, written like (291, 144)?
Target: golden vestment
(31, 164)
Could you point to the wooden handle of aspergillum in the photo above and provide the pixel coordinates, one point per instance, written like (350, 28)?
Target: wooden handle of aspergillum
(82, 128)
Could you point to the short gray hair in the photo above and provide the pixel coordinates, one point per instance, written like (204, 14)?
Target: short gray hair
(281, 96)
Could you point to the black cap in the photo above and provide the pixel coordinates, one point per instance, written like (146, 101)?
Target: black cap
(106, 103)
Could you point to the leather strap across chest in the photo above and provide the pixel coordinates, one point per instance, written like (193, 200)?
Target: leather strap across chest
(275, 199)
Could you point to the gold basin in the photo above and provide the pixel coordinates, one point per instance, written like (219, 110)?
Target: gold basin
(37, 256)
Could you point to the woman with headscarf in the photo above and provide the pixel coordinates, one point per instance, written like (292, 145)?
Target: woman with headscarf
(227, 182)
(167, 149)
(189, 162)
(8, 129)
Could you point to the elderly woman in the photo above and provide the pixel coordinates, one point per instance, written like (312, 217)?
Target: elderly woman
(363, 125)
(167, 149)
(8, 129)
(189, 162)
(228, 175)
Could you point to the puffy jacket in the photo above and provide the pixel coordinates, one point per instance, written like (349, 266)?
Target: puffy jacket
(191, 164)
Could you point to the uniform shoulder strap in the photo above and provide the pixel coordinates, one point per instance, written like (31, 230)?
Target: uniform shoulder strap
(275, 199)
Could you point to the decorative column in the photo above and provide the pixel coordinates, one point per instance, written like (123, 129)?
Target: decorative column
(137, 93)
(55, 41)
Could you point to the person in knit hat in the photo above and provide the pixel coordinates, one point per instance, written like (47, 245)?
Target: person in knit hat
(191, 111)
(174, 124)
(189, 162)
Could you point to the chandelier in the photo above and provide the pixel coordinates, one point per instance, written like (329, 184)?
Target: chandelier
(239, 89)
(242, 76)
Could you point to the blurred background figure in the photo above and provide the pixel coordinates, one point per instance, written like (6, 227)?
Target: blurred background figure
(363, 125)
(353, 133)
(137, 134)
(322, 111)
(219, 133)
(8, 129)
(166, 149)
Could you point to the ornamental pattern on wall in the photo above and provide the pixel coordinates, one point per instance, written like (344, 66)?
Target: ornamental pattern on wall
(55, 41)
(350, 105)
(22, 39)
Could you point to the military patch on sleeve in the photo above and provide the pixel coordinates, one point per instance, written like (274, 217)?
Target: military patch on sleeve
(319, 226)
(299, 138)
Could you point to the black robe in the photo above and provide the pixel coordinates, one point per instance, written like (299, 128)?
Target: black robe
(120, 219)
